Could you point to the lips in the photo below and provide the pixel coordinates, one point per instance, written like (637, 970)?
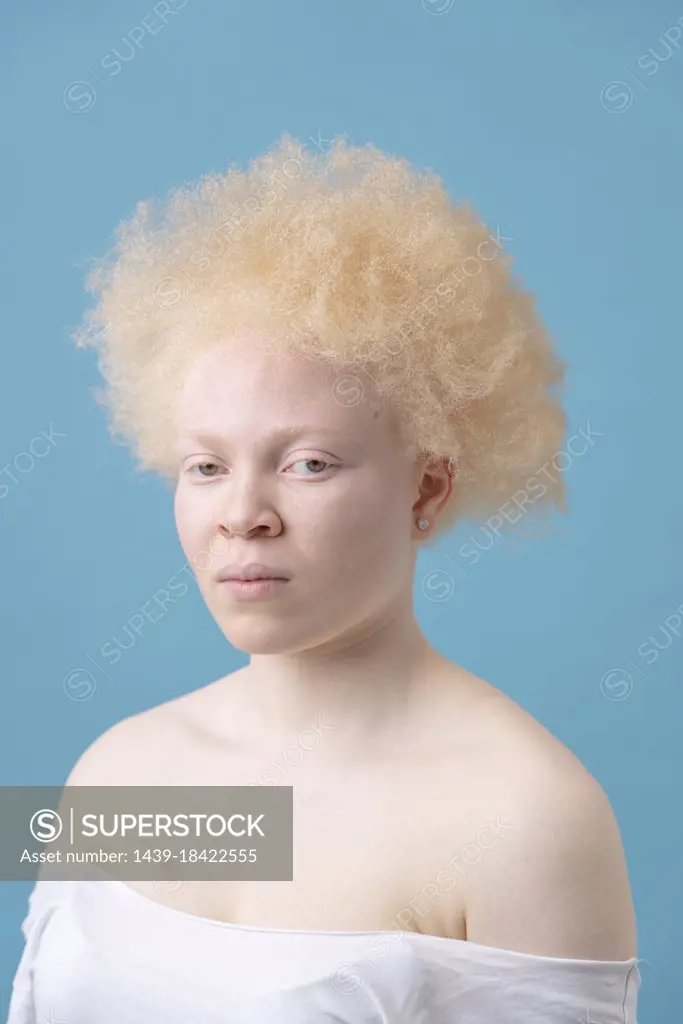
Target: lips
(252, 579)
(253, 590)
(251, 571)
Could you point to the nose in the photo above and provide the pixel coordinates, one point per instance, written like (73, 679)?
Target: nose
(246, 510)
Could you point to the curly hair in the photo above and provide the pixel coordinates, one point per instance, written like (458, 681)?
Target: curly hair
(350, 256)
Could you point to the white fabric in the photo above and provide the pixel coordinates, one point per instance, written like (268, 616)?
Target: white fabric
(98, 952)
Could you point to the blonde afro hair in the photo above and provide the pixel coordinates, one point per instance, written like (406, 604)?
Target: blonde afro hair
(350, 256)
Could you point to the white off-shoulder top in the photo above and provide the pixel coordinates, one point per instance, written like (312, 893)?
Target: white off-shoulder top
(99, 952)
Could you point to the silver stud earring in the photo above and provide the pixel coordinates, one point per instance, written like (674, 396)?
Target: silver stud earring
(422, 524)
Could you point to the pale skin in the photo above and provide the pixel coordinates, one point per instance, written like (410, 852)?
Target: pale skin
(426, 799)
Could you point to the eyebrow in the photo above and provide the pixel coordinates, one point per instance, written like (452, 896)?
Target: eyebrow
(279, 434)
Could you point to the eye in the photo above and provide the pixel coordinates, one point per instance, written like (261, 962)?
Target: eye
(202, 466)
(321, 462)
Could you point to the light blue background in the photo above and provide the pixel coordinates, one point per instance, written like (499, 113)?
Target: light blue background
(511, 104)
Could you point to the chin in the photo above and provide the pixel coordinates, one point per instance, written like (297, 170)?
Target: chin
(265, 644)
(261, 628)
(274, 637)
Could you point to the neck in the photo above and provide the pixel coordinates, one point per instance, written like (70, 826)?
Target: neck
(363, 688)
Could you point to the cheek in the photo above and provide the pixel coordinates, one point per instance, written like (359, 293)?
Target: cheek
(368, 528)
(191, 522)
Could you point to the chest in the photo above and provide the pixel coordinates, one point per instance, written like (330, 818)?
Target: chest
(371, 852)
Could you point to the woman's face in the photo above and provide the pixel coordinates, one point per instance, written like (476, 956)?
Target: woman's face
(282, 462)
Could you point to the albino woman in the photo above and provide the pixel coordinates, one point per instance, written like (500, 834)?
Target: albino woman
(332, 364)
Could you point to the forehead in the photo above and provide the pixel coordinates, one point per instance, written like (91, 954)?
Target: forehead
(241, 381)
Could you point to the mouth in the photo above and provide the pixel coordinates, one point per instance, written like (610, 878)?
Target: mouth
(249, 573)
(251, 579)
(249, 589)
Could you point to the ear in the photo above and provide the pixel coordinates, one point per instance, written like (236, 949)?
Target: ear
(434, 483)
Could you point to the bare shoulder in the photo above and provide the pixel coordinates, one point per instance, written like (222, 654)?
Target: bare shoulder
(524, 764)
(141, 748)
(555, 881)
(112, 758)
(490, 725)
